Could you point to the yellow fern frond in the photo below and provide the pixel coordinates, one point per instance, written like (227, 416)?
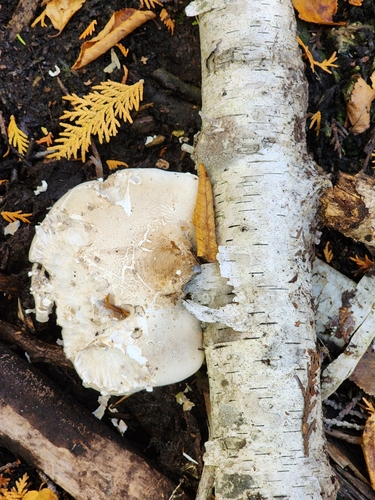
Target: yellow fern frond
(164, 16)
(13, 216)
(328, 63)
(316, 120)
(10, 495)
(89, 30)
(328, 254)
(323, 65)
(4, 481)
(95, 114)
(41, 20)
(124, 50)
(21, 485)
(112, 164)
(17, 138)
(150, 4)
(364, 264)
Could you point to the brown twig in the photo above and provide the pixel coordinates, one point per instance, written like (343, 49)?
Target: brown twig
(22, 17)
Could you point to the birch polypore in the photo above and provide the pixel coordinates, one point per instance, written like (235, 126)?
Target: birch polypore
(266, 427)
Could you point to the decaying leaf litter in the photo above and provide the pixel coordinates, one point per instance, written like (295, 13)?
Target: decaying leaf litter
(343, 56)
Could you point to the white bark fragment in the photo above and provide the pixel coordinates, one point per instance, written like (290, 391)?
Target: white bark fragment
(334, 292)
(266, 423)
(329, 288)
(362, 319)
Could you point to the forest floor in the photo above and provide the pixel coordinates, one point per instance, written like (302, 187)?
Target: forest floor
(158, 428)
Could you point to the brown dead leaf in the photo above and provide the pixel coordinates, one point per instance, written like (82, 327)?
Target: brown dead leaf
(368, 443)
(364, 373)
(60, 11)
(120, 25)
(204, 218)
(317, 11)
(359, 105)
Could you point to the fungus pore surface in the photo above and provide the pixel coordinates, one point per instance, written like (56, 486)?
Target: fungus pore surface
(113, 257)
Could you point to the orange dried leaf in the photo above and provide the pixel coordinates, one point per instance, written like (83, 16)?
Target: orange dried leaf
(368, 443)
(317, 11)
(119, 26)
(360, 103)
(59, 12)
(89, 30)
(204, 218)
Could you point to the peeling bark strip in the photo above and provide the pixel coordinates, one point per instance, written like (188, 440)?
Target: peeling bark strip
(266, 190)
(73, 448)
(310, 399)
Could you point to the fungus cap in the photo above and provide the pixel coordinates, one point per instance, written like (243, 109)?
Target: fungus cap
(113, 257)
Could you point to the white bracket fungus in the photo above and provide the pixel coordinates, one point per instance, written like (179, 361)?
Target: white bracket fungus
(113, 257)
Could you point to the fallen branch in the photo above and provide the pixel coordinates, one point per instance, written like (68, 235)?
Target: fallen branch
(38, 351)
(266, 439)
(73, 448)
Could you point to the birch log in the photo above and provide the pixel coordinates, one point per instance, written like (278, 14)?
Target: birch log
(266, 425)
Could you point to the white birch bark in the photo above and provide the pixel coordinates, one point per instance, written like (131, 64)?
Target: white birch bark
(266, 436)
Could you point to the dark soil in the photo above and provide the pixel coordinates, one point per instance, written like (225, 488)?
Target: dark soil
(158, 428)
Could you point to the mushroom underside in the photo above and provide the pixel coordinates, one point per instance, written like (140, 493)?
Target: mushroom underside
(113, 257)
